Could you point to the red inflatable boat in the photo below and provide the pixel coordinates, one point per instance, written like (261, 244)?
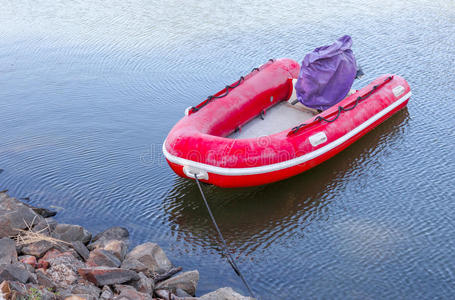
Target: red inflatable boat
(249, 134)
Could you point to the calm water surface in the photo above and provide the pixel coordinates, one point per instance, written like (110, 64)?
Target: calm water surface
(90, 89)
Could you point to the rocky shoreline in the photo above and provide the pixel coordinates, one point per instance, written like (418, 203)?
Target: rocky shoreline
(41, 259)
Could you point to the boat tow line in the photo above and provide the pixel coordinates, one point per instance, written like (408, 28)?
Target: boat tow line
(226, 251)
(341, 108)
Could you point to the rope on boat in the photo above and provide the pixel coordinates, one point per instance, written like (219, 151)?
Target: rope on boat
(225, 250)
(341, 108)
(228, 88)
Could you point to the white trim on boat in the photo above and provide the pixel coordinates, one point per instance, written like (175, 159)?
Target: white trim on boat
(288, 163)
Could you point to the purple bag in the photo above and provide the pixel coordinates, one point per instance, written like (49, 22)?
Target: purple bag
(327, 74)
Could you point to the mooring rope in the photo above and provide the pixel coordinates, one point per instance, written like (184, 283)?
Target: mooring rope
(225, 250)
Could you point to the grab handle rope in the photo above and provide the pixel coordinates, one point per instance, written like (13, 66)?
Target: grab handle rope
(342, 108)
(228, 88)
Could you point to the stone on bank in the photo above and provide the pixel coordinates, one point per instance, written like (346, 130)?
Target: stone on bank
(42, 259)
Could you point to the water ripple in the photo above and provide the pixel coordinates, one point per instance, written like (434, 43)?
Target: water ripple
(89, 90)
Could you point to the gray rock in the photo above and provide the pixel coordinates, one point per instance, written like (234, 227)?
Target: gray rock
(107, 276)
(186, 281)
(33, 278)
(14, 272)
(87, 289)
(14, 216)
(45, 226)
(44, 280)
(135, 265)
(116, 247)
(35, 291)
(132, 294)
(18, 286)
(164, 294)
(81, 249)
(37, 249)
(80, 297)
(44, 212)
(106, 293)
(71, 233)
(19, 248)
(100, 257)
(152, 256)
(13, 290)
(67, 248)
(143, 284)
(63, 292)
(8, 252)
(64, 268)
(113, 233)
(225, 293)
(119, 288)
(181, 293)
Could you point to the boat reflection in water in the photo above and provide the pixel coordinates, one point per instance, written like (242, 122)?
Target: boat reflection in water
(252, 219)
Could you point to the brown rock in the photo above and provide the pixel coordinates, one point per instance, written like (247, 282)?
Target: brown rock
(100, 257)
(8, 254)
(186, 281)
(51, 254)
(107, 276)
(116, 247)
(44, 261)
(43, 265)
(113, 233)
(28, 259)
(152, 256)
(5, 289)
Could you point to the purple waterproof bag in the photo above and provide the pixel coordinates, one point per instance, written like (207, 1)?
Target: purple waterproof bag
(327, 74)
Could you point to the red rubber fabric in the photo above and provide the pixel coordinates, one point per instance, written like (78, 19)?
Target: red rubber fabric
(198, 140)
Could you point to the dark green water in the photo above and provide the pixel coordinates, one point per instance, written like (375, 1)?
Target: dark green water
(90, 89)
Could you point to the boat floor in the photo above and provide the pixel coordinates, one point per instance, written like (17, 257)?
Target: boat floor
(280, 117)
